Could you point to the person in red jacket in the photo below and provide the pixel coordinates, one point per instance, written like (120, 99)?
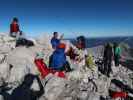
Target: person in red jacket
(14, 28)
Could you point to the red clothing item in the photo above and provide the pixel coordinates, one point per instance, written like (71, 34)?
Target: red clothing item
(42, 67)
(71, 53)
(61, 46)
(45, 71)
(119, 94)
(14, 27)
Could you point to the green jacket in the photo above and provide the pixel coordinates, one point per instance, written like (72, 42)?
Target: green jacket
(117, 51)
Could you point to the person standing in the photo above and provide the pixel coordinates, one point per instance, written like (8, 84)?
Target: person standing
(117, 54)
(108, 55)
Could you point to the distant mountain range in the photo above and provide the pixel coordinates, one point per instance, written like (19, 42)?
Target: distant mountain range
(91, 42)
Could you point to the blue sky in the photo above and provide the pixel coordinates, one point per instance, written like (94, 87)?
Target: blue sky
(92, 18)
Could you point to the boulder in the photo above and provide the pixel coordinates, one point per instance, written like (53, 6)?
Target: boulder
(54, 88)
(21, 61)
(4, 71)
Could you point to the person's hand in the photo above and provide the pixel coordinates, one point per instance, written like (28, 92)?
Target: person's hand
(61, 37)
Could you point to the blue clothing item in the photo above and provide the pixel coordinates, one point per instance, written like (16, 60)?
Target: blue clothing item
(58, 59)
(55, 42)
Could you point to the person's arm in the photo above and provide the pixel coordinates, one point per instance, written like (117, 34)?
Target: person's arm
(120, 53)
(61, 37)
(18, 28)
(120, 50)
(41, 91)
(54, 43)
(10, 28)
(86, 53)
(112, 55)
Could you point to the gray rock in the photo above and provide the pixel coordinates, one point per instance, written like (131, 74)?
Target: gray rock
(15, 63)
(4, 71)
(54, 88)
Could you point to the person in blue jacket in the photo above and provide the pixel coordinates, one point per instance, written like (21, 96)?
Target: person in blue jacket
(55, 41)
(58, 60)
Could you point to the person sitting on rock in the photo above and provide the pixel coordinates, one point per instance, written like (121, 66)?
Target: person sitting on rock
(108, 55)
(72, 53)
(82, 52)
(55, 41)
(14, 28)
(58, 59)
(24, 91)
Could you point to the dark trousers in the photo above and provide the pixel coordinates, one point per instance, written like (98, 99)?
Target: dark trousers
(117, 60)
(107, 66)
(67, 67)
(50, 61)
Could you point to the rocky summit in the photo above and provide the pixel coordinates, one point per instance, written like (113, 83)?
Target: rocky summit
(80, 84)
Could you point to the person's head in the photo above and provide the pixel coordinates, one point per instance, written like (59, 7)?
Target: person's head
(116, 44)
(81, 41)
(55, 34)
(15, 19)
(107, 45)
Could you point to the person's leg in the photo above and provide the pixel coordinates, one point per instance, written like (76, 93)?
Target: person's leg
(13, 34)
(17, 35)
(18, 43)
(50, 61)
(117, 60)
(67, 67)
(109, 68)
(105, 66)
